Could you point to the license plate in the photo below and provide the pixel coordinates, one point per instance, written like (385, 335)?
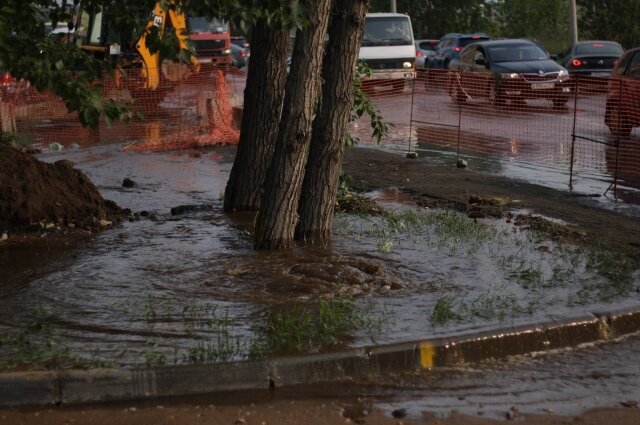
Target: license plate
(542, 86)
(600, 74)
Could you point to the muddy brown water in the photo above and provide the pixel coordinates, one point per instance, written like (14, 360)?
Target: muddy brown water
(156, 287)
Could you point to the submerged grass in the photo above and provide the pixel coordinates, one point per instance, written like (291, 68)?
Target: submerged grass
(495, 304)
(32, 346)
(311, 327)
(443, 229)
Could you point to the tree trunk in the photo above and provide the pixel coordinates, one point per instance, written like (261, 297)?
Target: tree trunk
(320, 186)
(277, 217)
(263, 96)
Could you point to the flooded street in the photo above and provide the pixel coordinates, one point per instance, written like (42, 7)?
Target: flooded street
(563, 383)
(186, 286)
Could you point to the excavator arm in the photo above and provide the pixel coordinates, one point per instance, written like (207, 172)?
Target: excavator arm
(151, 61)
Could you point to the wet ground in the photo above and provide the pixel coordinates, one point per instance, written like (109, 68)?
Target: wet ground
(530, 141)
(186, 286)
(565, 383)
(552, 388)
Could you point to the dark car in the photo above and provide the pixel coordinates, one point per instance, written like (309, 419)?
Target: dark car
(424, 49)
(450, 46)
(239, 56)
(592, 58)
(502, 70)
(239, 40)
(623, 94)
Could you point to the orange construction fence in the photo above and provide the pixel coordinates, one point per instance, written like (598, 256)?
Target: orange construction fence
(188, 109)
(573, 130)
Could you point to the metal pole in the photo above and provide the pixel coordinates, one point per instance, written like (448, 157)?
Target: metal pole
(393, 6)
(573, 132)
(573, 21)
(413, 92)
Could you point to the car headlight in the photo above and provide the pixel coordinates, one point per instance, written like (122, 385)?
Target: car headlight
(226, 52)
(563, 75)
(510, 75)
(407, 65)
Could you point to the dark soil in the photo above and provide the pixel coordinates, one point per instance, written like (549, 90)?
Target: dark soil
(37, 197)
(485, 195)
(313, 411)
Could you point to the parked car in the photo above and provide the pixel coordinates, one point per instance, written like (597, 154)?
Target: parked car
(592, 58)
(239, 56)
(450, 46)
(240, 41)
(424, 49)
(502, 70)
(623, 94)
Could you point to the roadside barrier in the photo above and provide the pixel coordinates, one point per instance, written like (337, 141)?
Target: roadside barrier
(187, 109)
(561, 125)
(565, 128)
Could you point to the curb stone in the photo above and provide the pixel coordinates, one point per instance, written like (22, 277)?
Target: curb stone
(101, 385)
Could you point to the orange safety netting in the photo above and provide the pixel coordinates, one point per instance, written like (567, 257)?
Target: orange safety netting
(436, 115)
(188, 109)
(214, 105)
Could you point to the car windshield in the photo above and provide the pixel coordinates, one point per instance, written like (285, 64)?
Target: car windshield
(516, 53)
(388, 31)
(463, 42)
(201, 24)
(428, 45)
(599, 49)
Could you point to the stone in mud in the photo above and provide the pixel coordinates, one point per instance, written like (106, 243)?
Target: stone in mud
(183, 209)
(399, 413)
(64, 163)
(128, 183)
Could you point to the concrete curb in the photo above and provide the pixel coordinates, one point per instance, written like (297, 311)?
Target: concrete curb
(99, 385)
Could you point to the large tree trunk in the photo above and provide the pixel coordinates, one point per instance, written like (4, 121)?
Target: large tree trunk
(262, 105)
(320, 186)
(278, 216)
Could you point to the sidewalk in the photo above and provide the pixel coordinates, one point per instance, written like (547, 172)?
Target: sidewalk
(68, 387)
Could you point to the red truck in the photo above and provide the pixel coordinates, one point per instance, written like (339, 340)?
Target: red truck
(212, 40)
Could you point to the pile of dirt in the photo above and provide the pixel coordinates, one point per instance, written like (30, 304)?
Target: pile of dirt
(36, 196)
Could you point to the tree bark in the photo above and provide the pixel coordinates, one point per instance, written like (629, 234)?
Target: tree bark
(277, 216)
(262, 106)
(320, 186)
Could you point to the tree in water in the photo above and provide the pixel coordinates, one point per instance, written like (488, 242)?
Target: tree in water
(322, 174)
(277, 216)
(262, 106)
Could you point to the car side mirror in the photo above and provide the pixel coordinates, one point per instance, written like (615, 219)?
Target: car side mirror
(555, 57)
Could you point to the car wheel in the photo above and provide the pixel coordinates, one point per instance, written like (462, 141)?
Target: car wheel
(560, 102)
(616, 120)
(455, 91)
(398, 85)
(495, 98)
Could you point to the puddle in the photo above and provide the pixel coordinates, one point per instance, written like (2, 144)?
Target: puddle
(566, 383)
(189, 287)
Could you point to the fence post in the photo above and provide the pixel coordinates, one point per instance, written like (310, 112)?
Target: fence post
(413, 93)
(573, 132)
(459, 124)
(617, 142)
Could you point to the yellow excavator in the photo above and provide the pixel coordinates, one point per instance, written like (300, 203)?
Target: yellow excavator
(151, 61)
(95, 33)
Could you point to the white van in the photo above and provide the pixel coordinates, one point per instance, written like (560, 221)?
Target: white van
(388, 47)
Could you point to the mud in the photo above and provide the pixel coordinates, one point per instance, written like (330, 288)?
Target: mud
(448, 186)
(321, 411)
(36, 197)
